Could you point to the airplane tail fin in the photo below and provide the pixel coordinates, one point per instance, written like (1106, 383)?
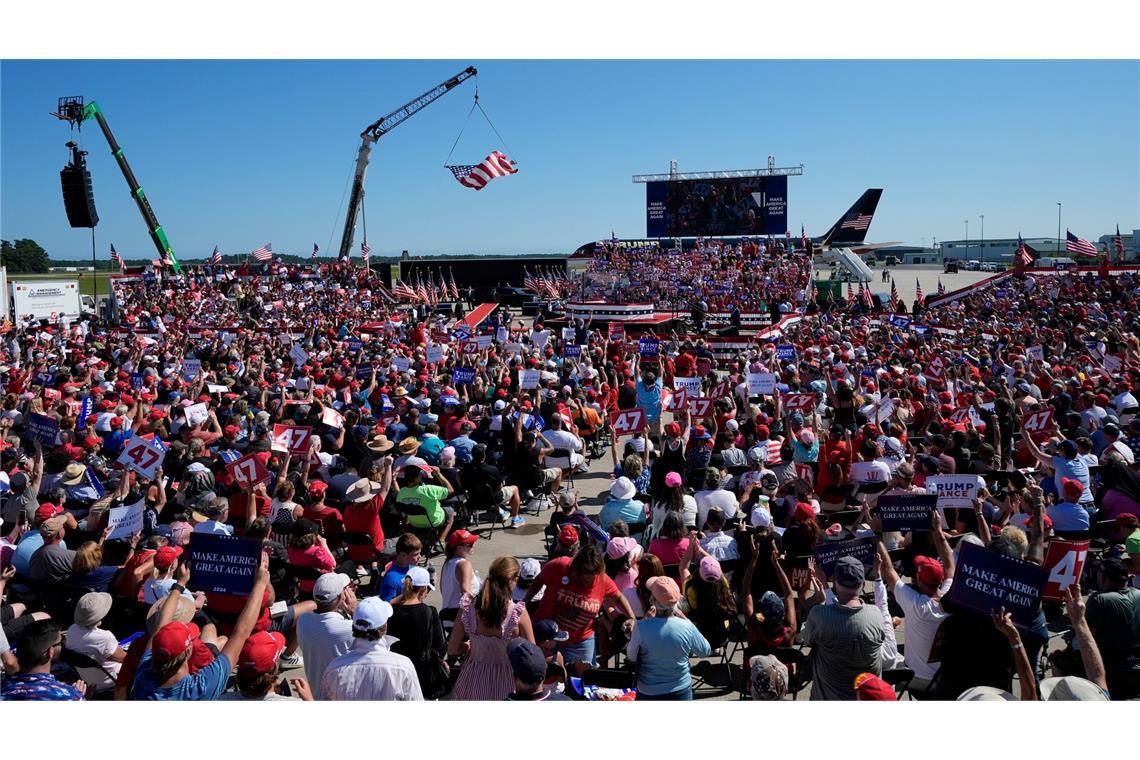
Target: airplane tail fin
(852, 226)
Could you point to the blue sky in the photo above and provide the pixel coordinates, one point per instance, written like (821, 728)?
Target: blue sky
(240, 153)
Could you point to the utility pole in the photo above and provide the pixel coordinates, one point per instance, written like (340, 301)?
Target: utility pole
(982, 240)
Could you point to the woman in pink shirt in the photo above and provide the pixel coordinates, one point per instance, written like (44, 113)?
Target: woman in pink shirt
(308, 549)
(671, 543)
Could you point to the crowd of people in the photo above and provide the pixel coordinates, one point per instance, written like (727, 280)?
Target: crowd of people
(356, 443)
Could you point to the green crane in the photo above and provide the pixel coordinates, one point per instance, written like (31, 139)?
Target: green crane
(73, 111)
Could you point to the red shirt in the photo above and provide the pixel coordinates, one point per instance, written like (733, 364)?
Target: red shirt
(572, 607)
(330, 520)
(364, 518)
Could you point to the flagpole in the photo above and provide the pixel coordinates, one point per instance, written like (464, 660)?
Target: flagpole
(94, 279)
(1058, 229)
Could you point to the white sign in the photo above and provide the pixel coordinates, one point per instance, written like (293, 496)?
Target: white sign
(1035, 353)
(298, 355)
(568, 334)
(332, 417)
(142, 456)
(196, 413)
(125, 521)
(217, 388)
(512, 348)
(401, 363)
(954, 490)
(483, 341)
(191, 368)
(761, 383)
(528, 378)
(691, 386)
(435, 354)
(1113, 363)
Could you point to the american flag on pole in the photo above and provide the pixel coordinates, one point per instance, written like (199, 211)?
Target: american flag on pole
(477, 176)
(364, 251)
(264, 253)
(803, 238)
(421, 290)
(316, 248)
(401, 290)
(454, 287)
(919, 296)
(868, 298)
(851, 299)
(530, 282)
(1079, 246)
(941, 287)
(894, 297)
(1023, 259)
(385, 293)
(1118, 245)
(118, 260)
(856, 221)
(216, 256)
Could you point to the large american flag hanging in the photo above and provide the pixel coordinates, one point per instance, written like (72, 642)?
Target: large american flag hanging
(477, 177)
(264, 253)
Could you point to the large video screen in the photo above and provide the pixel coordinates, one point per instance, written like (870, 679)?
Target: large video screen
(747, 206)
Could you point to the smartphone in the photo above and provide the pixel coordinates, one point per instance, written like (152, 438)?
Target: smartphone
(23, 519)
(283, 688)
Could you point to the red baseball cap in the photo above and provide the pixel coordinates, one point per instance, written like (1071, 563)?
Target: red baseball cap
(47, 511)
(1072, 488)
(870, 688)
(260, 653)
(804, 511)
(568, 536)
(166, 556)
(929, 570)
(461, 538)
(173, 639)
(317, 486)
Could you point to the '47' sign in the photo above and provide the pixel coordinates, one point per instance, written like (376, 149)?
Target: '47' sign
(142, 455)
(291, 438)
(1065, 560)
(248, 471)
(1039, 424)
(628, 422)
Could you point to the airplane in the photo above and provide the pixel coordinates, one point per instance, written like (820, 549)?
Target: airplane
(850, 230)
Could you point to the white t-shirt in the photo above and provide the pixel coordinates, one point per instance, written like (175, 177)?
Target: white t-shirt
(97, 644)
(688, 512)
(563, 439)
(923, 616)
(721, 498)
(870, 472)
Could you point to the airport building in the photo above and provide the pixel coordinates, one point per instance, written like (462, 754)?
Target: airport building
(1002, 249)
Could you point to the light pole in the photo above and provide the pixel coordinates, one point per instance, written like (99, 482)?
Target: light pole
(967, 221)
(1058, 229)
(982, 238)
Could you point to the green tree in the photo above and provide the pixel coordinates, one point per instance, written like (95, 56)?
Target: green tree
(24, 257)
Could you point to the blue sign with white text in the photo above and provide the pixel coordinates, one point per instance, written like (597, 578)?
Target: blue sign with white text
(985, 580)
(463, 375)
(786, 353)
(649, 346)
(224, 564)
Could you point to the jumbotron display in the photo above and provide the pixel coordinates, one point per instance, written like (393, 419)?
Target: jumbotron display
(743, 206)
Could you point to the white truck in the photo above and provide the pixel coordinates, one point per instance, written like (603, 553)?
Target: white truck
(45, 299)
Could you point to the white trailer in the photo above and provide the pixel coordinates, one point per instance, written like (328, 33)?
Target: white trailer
(45, 299)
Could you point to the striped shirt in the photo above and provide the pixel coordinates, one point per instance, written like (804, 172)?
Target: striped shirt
(845, 641)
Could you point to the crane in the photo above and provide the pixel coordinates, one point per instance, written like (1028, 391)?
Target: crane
(374, 132)
(73, 111)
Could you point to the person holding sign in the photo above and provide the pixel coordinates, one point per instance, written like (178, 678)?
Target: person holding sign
(921, 601)
(164, 673)
(649, 389)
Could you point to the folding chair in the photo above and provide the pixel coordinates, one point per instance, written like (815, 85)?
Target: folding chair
(899, 679)
(100, 682)
(429, 536)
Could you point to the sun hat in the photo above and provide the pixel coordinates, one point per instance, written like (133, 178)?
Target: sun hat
(92, 608)
(623, 488)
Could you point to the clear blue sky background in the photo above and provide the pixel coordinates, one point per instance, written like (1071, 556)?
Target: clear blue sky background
(240, 153)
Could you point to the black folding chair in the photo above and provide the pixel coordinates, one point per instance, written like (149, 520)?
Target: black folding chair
(429, 536)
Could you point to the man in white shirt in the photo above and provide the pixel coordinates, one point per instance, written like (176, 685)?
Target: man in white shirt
(370, 670)
(560, 438)
(210, 517)
(326, 634)
(921, 601)
(1115, 444)
(715, 495)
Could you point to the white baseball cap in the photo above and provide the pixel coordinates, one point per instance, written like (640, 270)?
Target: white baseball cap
(372, 614)
(328, 587)
(760, 518)
(420, 578)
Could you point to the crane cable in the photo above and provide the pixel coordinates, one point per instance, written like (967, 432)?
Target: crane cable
(475, 105)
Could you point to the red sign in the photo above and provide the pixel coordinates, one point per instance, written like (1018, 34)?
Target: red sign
(248, 471)
(291, 438)
(934, 368)
(470, 347)
(723, 389)
(1064, 560)
(1039, 425)
(677, 400)
(617, 332)
(804, 472)
(701, 408)
(799, 402)
(704, 366)
(628, 422)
